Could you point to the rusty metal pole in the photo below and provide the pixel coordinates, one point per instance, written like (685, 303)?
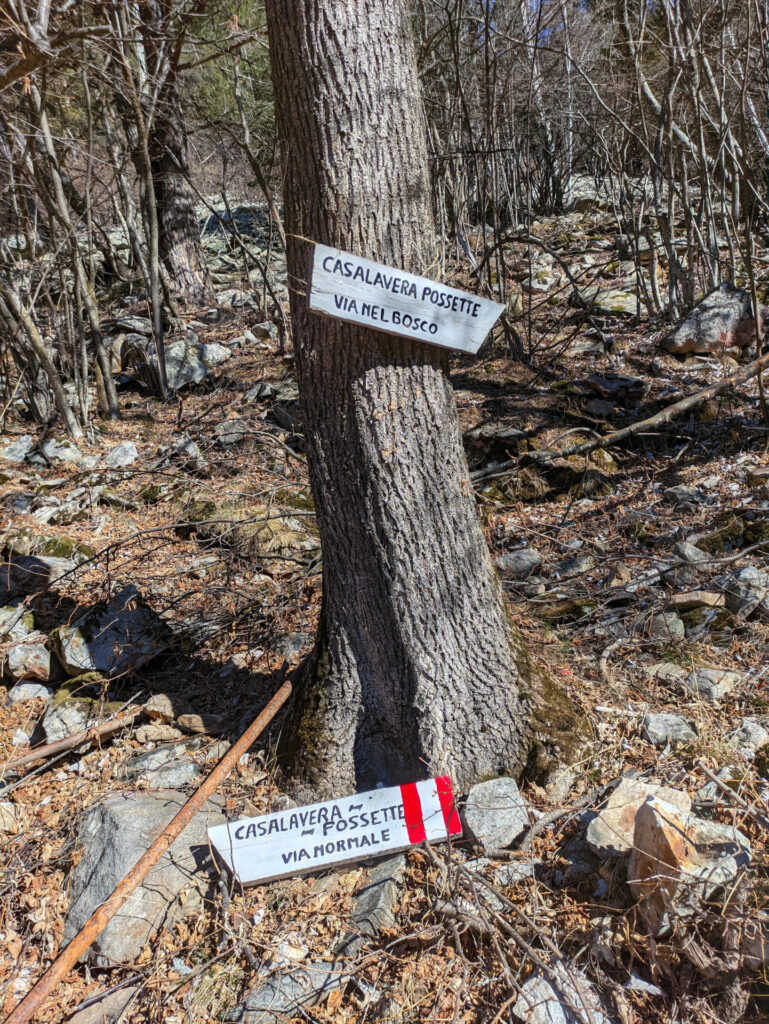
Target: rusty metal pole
(97, 922)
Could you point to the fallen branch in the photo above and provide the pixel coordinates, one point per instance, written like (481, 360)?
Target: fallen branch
(96, 732)
(671, 412)
(97, 922)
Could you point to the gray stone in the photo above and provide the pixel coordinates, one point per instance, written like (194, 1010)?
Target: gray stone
(231, 431)
(174, 776)
(66, 719)
(213, 355)
(750, 736)
(166, 767)
(16, 622)
(721, 320)
(712, 683)
(27, 691)
(29, 659)
(690, 553)
(60, 451)
(7, 816)
(188, 455)
(495, 813)
(685, 497)
(114, 637)
(746, 590)
(514, 872)
(106, 1009)
(575, 565)
(122, 455)
(137, 324)
(664, 626)
(28, 574)
(19, 450)
(563, 996)
(611, 301)
(519, 564)
(662, 728)
(266, 331)
(115, 833)
(611, 831)
(183, 365)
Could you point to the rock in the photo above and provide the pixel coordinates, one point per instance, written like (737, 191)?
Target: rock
(7, 816)
(697, 599)
(661, 729)
(157, 732)
(749, 737)
(495, 813)
(16, 622)
(266, 331)
(183, 365)
(563, 996)
(173, 776)
(56, 451)
(188, 455)
(114, 637)
(611, 831)
(636, 983)
(106, 1009)
(28, 574)
(619, 386)
(575, 565)
(20, 738)
(685, 497)
(719, 321)
(610, 301)
(66, 719)
(147, 763)
(29, 659)
(519, 564)
(213, 355)
(690, 553)
(679, 860)
(514, 872)
(27, 691)
(712, 683)
(662, 626)
(231, 431)
(160, 708)
(210, 724)
(135, 324)
(18, 450)
(122, 455)
(746, 590)
(115, 833)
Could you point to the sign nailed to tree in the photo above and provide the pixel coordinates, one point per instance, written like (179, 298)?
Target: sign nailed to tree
(361, 292)
(337, 832)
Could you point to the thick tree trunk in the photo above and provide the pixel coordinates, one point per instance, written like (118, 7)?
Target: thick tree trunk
(178, 234)
(417, 669)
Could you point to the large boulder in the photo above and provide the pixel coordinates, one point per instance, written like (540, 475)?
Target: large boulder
(187, 362)
(721, 320)
(114, 834)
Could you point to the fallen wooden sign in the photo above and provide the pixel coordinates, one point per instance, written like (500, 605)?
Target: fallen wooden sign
(358, 291)
(337, 832)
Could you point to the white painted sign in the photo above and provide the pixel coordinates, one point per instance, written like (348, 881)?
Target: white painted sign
(361, 292)
(341, 831)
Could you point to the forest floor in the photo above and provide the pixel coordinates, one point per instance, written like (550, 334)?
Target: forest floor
(224, 553)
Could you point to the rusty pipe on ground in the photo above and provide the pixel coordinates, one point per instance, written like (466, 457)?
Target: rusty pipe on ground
(97, 922)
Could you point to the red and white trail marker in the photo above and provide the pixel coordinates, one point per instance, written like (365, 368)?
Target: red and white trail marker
(340, 831)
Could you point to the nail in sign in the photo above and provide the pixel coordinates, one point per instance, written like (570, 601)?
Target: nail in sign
(361, 292)
(341, 831)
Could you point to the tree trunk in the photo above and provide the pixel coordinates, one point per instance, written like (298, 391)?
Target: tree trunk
(416, 668)
(179, 236)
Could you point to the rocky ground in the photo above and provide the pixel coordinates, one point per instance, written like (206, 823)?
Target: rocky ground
(171, 561)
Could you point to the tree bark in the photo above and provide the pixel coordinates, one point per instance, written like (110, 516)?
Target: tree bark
(416, 669)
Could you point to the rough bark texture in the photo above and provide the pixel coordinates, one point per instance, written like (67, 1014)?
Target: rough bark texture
(417, 669)
(178, 232)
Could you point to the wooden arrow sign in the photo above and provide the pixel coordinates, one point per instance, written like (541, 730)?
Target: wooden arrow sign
(361, 292)
(340, 831)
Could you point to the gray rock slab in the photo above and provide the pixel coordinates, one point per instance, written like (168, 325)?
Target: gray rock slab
(27, 691)
(714, 324)
(18, 450)
(495, 813)
(514, 872)
(746, 590)
(136, 324)
(661, 728)
(563, 996)
(16, 622)
(712, 683)
(60, 451)
(65, 719)
(105, 1009)
(122, 455)
(520, 563)
(750, 736)
(115, 833)
(231, 431)
(28, 574)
